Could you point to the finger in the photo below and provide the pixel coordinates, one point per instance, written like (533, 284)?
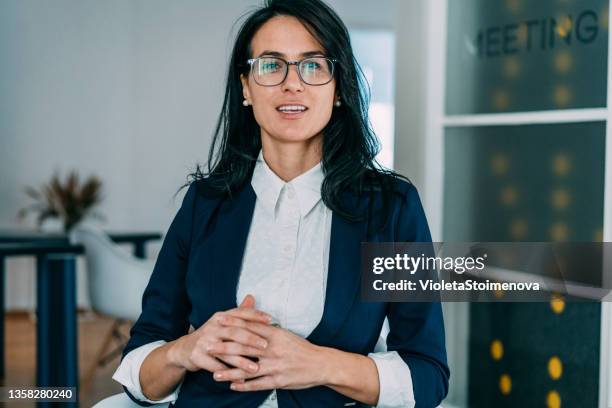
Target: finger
(242, 336)
(253, 327)
(215, 365)
(238, 363)
(248, 302)
(229, 320)
(265, 382)
(234, 349)
(209, 363)
(246, 314)
(234, 375)
(263, 330)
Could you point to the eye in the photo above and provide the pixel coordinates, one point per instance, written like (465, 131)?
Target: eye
(311, 65)
(267, 66)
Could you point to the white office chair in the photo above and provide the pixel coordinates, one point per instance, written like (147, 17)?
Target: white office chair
(122, 401)
(116, 279)
(116, 283)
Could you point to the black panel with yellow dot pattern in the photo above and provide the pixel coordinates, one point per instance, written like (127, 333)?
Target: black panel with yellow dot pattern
(528, 183)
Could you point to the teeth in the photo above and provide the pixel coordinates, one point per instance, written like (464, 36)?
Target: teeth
(291, 108)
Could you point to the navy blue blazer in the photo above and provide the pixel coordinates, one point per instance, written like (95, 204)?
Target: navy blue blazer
(196, 275)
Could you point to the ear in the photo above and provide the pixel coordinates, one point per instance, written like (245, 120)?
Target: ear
(245, 87)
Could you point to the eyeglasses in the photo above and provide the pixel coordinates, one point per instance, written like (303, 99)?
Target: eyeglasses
(272, 71)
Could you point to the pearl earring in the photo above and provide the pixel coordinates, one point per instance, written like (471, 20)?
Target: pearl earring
(337, 103)
(245, 103)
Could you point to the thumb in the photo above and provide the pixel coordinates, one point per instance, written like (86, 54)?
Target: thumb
(248, 302)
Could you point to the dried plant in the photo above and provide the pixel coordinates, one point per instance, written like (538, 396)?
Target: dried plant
(70, 200)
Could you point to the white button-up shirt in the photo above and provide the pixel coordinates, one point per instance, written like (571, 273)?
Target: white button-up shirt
(285, 268)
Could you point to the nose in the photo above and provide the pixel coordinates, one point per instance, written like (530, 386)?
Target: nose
(293, 82)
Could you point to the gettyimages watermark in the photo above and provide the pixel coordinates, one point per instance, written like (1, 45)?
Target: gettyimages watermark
(486, 271)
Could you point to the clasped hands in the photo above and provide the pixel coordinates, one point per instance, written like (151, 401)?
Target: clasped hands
(240, 346)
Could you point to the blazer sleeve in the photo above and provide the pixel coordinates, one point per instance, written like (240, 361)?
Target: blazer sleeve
(165, 305)
(417, 328)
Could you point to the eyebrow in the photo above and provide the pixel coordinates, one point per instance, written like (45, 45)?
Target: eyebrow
(280, 54)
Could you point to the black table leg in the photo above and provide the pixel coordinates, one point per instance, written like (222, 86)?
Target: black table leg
(2, 317)
(56, 337)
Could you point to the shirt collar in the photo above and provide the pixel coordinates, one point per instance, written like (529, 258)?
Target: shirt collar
(268, 186)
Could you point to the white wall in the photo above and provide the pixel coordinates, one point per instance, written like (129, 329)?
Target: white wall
(65, 102)
(410, 103)
(125, 90)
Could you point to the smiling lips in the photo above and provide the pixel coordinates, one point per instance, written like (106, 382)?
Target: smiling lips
(292, 110)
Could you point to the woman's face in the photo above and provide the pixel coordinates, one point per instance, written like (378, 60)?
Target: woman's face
(287, 38)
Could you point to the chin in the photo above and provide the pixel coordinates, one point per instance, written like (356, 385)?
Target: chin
(293, 138)
(293, 135)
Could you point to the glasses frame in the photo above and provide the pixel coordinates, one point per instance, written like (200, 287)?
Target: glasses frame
(297, 64)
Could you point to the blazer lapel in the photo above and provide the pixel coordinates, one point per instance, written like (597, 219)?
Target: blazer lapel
(343, 276)
(227, 247)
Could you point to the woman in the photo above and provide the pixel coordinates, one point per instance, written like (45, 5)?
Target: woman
(275, 225)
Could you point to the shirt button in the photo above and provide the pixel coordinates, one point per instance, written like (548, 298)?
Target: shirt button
(288, 248)
(291, 194)
(273, 396)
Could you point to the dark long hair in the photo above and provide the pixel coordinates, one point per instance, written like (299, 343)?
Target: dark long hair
(349, 144)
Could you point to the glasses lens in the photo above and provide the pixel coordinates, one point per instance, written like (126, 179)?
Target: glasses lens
(269, 71)
(317, 70)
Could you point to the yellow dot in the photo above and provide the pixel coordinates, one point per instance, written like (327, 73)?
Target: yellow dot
(555, 367)
(505, 384)
(518, 229)
(557, 303)
(514, 6)
(559, 231)
(564, 27)
(560, 199)
(598, 235)
(563, 62)
(508, 196)
(561, 164)
(499, 164)
(501, 99)
(498, 293)
(562, 96)
(604, 18)
(553, 399)
(497, 350)
(511, 67)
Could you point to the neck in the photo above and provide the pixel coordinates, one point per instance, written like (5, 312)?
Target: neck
(289, 160)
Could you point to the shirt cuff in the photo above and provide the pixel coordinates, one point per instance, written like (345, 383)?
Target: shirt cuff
(395, 381)
(128, 373)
